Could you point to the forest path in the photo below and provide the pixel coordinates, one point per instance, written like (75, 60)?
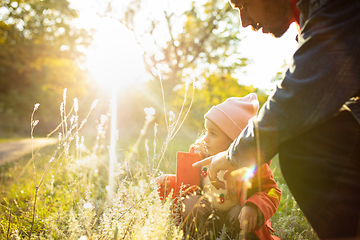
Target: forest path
(10, 151)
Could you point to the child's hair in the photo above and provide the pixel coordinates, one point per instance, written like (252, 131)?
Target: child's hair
(231, 117)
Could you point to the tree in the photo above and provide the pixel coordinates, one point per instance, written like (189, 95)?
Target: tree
(39, 57)
(202, 43)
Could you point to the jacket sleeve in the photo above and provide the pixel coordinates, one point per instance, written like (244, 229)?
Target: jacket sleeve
(264, 192)
(163, 195)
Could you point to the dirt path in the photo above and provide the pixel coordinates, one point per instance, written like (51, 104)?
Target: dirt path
(10, 151)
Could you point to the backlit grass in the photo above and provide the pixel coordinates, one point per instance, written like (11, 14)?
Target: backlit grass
(70, 182)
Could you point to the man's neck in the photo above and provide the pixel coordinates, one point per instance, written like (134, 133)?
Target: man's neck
(295, 11)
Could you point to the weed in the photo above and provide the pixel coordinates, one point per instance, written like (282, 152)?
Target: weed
(70, 195)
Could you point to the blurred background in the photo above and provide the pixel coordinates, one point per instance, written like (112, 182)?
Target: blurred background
(97, 48)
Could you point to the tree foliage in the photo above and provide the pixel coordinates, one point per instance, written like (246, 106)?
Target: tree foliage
(39, 57)
(203, 44)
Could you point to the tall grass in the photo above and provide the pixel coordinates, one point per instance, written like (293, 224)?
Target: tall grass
(64, 194)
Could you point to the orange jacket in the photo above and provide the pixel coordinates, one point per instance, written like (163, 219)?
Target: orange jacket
(264, 192)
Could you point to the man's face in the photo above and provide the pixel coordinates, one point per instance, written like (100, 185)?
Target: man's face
(273, 16)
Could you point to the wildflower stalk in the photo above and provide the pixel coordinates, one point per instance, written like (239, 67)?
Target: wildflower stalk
(150, 112)
(163, 97)
(9, 225)
(34, 209)
(33, 123)
(113, 140)
(64, 110)
(182, 108)
(174, 128)
(47, 136)
(76, 123)
(65, 143)
(60, 124)
(100, 132)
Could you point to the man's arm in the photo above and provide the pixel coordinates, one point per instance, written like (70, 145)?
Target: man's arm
(324, 75)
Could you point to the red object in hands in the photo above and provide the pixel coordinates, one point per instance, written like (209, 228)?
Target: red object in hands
(186, 174)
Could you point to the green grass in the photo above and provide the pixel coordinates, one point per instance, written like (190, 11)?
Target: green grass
(69, 184)
(72, 201)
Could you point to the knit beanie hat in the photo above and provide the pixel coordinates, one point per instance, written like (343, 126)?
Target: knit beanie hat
(233, 115)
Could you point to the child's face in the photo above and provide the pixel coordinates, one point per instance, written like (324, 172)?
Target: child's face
(215, 140)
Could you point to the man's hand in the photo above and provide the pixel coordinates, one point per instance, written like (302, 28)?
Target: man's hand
(216, 163)
(237, 179)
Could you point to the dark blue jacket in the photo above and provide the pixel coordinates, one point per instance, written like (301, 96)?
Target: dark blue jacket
(324, 77)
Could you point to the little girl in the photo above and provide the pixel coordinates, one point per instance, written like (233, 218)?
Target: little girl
(201, 207)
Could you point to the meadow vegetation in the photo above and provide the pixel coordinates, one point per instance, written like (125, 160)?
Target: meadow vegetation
(63, 192)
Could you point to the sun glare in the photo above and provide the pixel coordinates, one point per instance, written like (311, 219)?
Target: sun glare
(268, 56)
(116, 59)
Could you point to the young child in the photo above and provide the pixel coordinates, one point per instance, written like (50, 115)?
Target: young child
(202, 206)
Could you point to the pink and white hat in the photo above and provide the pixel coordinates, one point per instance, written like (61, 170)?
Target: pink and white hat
(233, 115)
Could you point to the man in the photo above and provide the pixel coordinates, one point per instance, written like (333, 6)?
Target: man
(313, 117)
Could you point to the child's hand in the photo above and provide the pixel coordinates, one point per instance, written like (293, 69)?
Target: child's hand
(199, 148)
(248, 217)
(164, 181)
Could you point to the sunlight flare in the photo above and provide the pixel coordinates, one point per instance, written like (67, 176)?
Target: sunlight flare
(112, 145)
(116, 59)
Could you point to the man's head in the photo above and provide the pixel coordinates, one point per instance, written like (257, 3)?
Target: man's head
(273, 16)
